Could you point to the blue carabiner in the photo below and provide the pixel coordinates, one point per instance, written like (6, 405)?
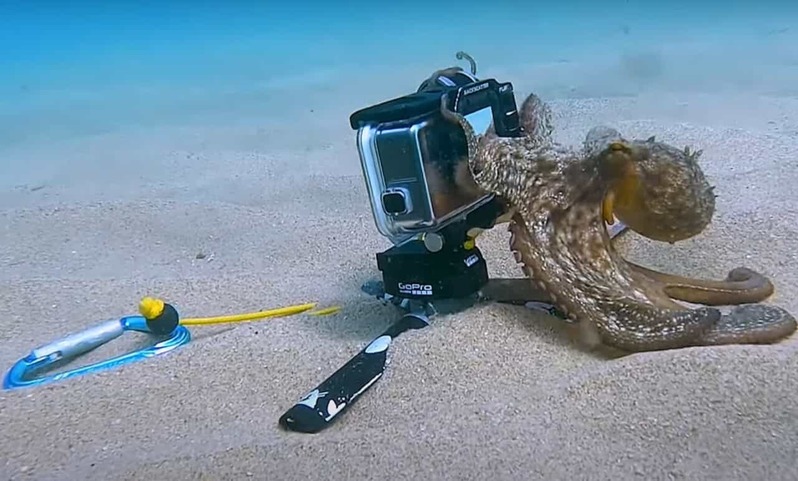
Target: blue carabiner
(82, 342)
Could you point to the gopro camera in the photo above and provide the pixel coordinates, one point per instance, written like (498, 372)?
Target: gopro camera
(416, 170)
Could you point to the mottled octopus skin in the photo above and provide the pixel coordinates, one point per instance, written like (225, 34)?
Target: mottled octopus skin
(556, 195)
(661, 192)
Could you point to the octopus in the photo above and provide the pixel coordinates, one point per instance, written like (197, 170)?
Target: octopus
(560, 200)
(660, 192)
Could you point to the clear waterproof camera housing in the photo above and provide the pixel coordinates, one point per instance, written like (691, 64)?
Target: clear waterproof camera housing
(414, 161)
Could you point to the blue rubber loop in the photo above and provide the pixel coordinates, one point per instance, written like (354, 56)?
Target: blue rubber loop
(69, 347)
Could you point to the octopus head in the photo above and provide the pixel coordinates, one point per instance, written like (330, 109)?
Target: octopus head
(618, 158)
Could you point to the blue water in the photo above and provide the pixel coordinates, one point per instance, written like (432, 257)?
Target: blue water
(80, 67)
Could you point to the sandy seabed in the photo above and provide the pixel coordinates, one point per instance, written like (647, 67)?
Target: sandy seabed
(89, 225)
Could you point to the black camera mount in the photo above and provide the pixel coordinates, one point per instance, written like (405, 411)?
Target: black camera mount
(440, 265)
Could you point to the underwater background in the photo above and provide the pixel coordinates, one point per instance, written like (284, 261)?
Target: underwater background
(79, 67)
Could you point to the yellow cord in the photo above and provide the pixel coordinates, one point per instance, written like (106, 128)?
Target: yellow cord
(151, 308)
(283, 311)
(325, 311)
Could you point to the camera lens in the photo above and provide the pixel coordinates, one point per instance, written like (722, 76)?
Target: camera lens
(395, 202)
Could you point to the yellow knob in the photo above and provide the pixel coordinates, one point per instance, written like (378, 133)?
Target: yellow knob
(150, 307)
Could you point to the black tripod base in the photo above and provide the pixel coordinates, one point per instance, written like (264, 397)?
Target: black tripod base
(410, 271)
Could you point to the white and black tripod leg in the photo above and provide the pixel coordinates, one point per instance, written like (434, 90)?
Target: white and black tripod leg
(336, 394)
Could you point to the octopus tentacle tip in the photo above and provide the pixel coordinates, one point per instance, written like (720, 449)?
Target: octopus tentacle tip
(752, 324)
(743, 273)
(667, 329)
(460, 55)
(741, 286)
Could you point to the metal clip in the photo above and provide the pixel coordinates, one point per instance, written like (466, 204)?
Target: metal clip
(74, 345)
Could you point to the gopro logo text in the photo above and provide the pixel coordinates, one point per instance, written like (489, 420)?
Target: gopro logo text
(415, 289)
